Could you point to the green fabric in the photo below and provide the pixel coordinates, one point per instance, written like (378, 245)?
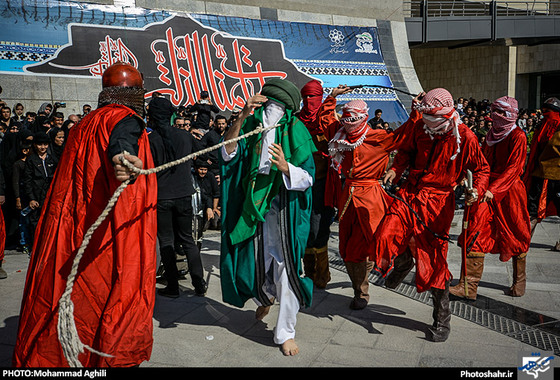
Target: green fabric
(238, 265)
(247, 197)
(260, 190)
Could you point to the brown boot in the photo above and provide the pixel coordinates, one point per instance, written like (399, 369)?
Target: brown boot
(309, 263)
(475, 265)
(402, 265)
(440, 329)
(359, 276)
(322, 272)
(519, 276)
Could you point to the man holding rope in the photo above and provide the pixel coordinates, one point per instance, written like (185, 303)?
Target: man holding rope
(266, 191)
(437, 155)
(113, 293)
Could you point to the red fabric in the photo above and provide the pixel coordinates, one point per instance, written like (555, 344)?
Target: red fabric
(2, 235)
(333, 188)
(114, 292)
(309, 115)
(312, 95)
(363, 202)
(502, 223)
(429, 191)
(549, 125)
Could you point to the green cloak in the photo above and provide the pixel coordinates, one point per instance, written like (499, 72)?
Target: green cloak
(247, 196)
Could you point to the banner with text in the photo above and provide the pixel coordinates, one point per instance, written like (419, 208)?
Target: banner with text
(181, 54)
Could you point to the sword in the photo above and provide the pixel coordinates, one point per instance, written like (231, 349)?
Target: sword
(465, 228)
(379, 86)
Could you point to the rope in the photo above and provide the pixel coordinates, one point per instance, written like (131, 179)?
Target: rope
(68, 336)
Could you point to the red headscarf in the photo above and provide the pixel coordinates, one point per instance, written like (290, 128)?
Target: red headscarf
(312, 95)
(502, 125)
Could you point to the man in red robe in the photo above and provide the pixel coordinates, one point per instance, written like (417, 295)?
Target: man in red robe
(114, 289)
(362, 154)
(499, 222)
(437, 156)
(542, 175)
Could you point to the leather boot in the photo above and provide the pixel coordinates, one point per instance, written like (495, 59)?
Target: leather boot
(440, 329)
(309, 263)
(322, 272)
(402, 266)
(475, 266)
(517, 289)
(359, 276)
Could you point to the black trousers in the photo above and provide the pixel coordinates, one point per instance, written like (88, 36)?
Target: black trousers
(552, 195)
(321, 217)
(175, 217)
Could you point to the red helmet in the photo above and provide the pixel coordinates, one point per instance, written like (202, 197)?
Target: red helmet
(121, 74)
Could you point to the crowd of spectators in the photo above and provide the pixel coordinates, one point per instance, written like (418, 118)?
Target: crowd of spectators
(31, 145)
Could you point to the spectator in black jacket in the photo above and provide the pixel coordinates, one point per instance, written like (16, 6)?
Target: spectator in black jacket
(175, 190)
(204, 108)
(21, 201)
(209, 190)
(212, 138)
(37, 176)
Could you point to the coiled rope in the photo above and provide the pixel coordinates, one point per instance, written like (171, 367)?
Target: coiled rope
(68, 335)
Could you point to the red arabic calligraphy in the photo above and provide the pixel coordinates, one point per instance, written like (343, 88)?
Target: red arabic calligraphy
(185, 66)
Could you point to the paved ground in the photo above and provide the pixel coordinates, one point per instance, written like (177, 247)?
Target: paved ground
(495, 331)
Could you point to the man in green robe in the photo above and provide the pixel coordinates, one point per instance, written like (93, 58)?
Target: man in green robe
(266, 192)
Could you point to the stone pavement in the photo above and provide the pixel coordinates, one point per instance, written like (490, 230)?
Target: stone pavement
(491, 332)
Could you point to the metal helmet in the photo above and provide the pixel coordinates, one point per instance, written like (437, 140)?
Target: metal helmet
(121, 74)
(123, 84)
(552, 104)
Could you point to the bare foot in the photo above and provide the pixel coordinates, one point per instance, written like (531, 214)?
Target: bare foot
(290, 348)
(262, 311)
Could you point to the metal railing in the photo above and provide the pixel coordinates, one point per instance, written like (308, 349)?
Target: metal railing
(461, 8)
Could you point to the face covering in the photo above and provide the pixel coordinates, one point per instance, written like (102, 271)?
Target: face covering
(440, 116)
(353, 131)
(503, 122)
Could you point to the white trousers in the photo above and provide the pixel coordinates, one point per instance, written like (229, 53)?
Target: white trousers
(277, 284)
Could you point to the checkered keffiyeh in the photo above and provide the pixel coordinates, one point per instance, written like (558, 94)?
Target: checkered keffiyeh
(439, 115)
(502, 125)
(353, 132)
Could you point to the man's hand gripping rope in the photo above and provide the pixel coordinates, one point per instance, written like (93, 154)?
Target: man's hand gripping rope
(67, 331)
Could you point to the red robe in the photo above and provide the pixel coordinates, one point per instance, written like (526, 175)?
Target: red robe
(363, 202)
(501, 225)
(429, 190)
(541, 137)
(114, 291)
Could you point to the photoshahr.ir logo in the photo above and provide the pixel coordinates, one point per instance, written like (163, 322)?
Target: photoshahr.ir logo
(536, 365)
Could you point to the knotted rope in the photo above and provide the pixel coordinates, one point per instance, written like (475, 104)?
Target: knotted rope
(68, 336)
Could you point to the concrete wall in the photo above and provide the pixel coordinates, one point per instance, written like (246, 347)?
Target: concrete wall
(486, 71)
(32, 91)
(478, 72)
